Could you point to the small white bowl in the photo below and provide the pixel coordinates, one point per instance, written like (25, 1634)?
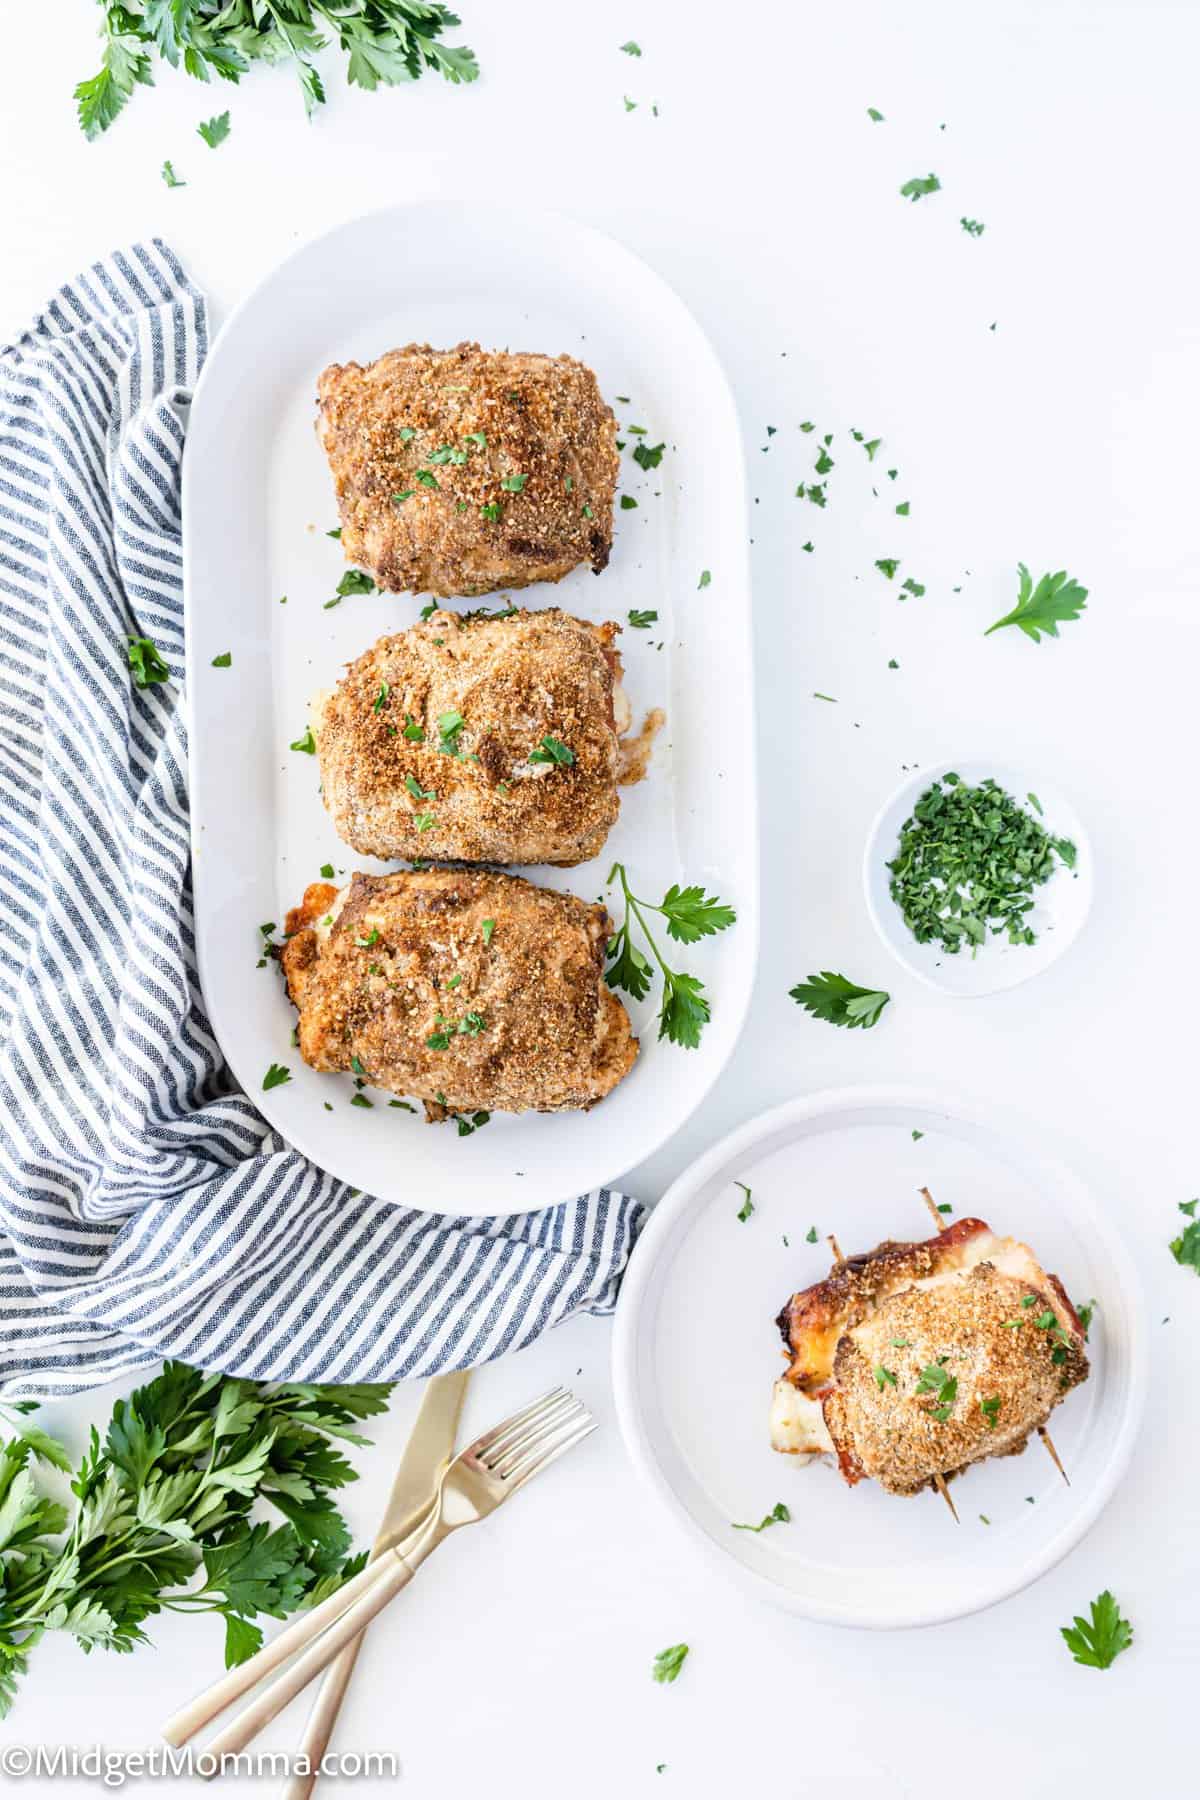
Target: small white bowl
(1061, 904)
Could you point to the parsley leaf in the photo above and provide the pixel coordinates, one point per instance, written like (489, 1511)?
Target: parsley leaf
(215, 131)
(642, 621)
(973, 227)
(875, 116)
(648, 456)
(275, 1077)
(692, 914)
(1056, 600)
(1098, 1643)
(170, 177)
(1186, 1247)
(223, 661)
(919, 186)
(705, 578)
(146, 662)
(887, 565)
(307, 743)
(778, 1515)
(632, 49)
(747, 1207)
(551, 750)
(839, 1001)
(668, 1663)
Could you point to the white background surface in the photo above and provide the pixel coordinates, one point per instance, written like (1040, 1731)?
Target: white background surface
(1064, 438)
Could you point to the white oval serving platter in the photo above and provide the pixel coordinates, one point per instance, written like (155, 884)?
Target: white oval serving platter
(258, 503)
(696, 1350)
(1061, 905)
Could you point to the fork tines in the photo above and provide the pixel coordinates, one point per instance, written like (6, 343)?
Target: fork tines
(534, 1437)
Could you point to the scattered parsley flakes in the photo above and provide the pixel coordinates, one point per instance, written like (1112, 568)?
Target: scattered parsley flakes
(915, 588)
(170, 177)
(327, 871)
(648, 456)
(668, 1663)
(919, 186)
(307, 744)
(215, 131)
(487, 928)
(810, 1236)
(275, 1076)
(628, 503)
(903, 509)
(1097, 1643)
(1186, 1247)
(224, 660)
(641, 621)
(705, 578)
(146, 663)
(514, 484)
(551, 750)
(778, 1515)
(887, 565)
(973, 227)
(747, 1206)
(917, 1135)
(1056, 600)
(883, 1377)
(631, 49)
(875, 117)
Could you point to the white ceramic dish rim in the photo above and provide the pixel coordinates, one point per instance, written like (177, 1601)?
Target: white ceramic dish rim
(736, 1005)
(665, 1221)
(914, 785)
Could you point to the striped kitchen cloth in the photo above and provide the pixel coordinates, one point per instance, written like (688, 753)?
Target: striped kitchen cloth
(146, 1210)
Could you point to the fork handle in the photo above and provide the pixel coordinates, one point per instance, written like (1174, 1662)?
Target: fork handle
(319, 1655)
(323, 1718)
(189, 1719)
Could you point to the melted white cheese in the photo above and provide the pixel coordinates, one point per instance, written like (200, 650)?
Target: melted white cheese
(797, 1423)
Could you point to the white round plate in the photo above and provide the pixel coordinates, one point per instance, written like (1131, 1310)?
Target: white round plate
(1062, 904)
(696, 1351)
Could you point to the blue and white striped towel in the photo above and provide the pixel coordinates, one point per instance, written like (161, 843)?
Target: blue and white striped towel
(146, 1209)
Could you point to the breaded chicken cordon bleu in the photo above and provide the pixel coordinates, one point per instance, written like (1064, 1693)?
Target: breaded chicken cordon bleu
(463, 471)
(467, 989)
(477, 739)
(914, 1360)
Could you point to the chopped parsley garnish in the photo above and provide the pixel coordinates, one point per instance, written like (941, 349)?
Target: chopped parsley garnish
(327, 871)
(307, 743)
(424, 821)
(470, 1025)
(1085, 1314)
(467, 1126)
(487, 928)
(354, 581)
(587, 512)
(477, 438)
(275, 1076)
(427, 478)
(223, 661)
(405, 494)
(412, 731)
(915, 588)
(146, 663)
(968, 861)
(360, 1100)
(883, 1377)
(449, 726)
(372, 937)
(810, 1236)
(887, 565)
(705, 578)
(778, 1515)
(492, 511)
(417, 791)
(991, 1410)
(447, 453)
(917, 1135)
(824, 462)
(170, 177)
(747, 1206)
(215, 131)
(551, 750)
(904, 509)
(690, 914)
(648, 456)
(514, 484)
(668, 1663)
(641, 621)
(407, 434)
(838, 1001)
(1097, 1643)
(919, 186)
(935, 1379)
(973, 227)
(381, 697)
(874, 116)
(628, 503)
(631, 49)
(1056, 600)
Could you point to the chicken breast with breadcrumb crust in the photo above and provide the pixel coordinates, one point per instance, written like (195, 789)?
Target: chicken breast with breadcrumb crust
(463, 471)
(466, 988)
(433, 746)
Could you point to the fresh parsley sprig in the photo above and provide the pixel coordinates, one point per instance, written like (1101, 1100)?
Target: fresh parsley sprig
(1056, 600)
(1097, 1643)
(839, 1001)
(1186, 1247)
(388, 41)
(166, 1495)
(690, 914)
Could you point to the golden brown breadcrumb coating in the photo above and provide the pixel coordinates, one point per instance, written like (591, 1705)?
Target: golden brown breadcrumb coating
(462, 471)
(977, 1330)
(466, 988)
(426, 743)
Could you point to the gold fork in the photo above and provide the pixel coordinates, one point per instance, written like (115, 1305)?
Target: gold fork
(480, 1479)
